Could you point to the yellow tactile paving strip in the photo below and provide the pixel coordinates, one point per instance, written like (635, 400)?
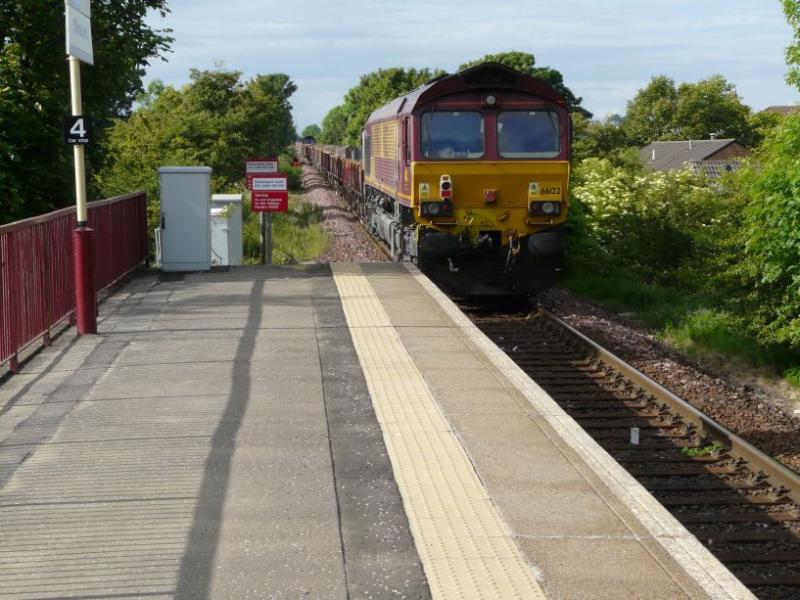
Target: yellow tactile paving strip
(463, 543)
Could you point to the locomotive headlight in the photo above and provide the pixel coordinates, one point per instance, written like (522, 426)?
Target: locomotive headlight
(491, 100)
(544, 208)
(432, 210)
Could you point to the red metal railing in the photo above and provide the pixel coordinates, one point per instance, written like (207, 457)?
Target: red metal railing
(37, 289)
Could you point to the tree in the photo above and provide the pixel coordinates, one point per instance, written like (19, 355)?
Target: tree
(376, 89)
(651, 114)
(216, 120)
(598, 139)
(792, 10)
(525, 62)
(711, 106)
(334, 126)
(314, 131)
(662, 112)
(35, 167)
(761, 125)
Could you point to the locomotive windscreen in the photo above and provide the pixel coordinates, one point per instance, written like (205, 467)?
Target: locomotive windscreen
(528, 134)
(448, 135)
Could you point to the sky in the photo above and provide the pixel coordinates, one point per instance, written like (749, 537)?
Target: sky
(606, 49)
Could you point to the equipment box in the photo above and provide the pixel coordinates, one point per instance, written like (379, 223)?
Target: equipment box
(185, 218)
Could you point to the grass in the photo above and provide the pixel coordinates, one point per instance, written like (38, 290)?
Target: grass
(298, 235)
(688, 324)
(710, 450)
(654, 306)
(792, 376)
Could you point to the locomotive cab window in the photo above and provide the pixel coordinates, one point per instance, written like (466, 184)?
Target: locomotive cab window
(450, 135)
(528, 134)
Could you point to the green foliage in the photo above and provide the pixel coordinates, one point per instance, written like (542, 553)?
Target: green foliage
(294, 175)
(712, 265)
(761, 126)
(792, 10)
(710, 450)
(656, 224)
(662, 112)
(35, 166)
(525, 62)
(373, 91)
(651, 114)
(334, 126)
(771, 266)
(314, 131)
(298, 235)
(711, 329)
(792, 376)
(619, 291)
(711, 106)
(600, 139)
(216, 120)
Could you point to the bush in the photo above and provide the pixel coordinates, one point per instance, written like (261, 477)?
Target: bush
(771, 235)
(660, 227)
(294, 174)
(298, 235)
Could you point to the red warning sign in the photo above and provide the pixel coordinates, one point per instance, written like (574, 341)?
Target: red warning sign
(270, 193)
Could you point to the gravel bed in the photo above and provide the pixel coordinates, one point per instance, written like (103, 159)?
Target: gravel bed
(348, 242)
(764, 418)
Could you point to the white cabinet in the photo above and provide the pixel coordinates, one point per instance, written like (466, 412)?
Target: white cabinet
(226, 229)
(185, 218)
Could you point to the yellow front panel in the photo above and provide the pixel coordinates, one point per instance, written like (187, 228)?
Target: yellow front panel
(512, 180)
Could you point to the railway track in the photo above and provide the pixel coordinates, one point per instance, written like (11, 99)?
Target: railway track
(743, 505)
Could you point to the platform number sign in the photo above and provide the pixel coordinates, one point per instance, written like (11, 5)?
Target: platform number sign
(77, 129)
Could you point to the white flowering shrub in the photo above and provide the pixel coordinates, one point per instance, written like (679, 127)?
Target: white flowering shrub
(656, 225)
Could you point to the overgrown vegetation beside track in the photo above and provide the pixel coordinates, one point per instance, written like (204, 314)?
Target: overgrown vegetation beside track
(714, 266)
(298, 235)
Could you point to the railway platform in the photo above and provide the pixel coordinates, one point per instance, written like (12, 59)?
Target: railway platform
(314, 432)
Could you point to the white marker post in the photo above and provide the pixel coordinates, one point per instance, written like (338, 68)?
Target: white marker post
(79, 48)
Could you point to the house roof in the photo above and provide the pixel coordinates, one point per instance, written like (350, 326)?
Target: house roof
(674, 155)
(714, 168)
(782, 110)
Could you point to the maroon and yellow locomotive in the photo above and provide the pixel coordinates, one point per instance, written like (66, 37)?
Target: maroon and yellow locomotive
(467, 176)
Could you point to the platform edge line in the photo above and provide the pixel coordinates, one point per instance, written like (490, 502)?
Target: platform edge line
(706, 570)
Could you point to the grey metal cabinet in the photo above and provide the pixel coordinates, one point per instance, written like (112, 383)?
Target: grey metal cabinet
(185, 234)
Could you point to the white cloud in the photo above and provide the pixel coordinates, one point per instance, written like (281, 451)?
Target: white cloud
(606, 50)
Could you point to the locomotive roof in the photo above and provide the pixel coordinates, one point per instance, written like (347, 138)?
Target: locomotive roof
(483, 77)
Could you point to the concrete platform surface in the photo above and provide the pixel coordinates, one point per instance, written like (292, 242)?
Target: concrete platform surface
(312, 432)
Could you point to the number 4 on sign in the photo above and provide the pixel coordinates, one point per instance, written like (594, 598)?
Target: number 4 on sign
(77, 130)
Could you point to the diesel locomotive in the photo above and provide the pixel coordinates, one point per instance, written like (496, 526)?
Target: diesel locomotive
(466, 176)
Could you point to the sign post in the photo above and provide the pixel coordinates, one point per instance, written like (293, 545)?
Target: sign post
(79, 48)
(269, 238)
(269, 193)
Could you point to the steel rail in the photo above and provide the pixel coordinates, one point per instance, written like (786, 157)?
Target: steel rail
(777, 474)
